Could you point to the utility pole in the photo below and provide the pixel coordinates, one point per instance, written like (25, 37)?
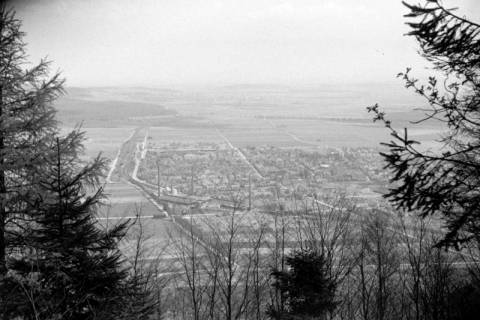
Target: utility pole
(249, 191)
(191, 181)
(158, 178)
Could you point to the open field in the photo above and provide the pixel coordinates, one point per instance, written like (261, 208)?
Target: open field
(277, 132)
(286, 134)
(159, 136)
(109, 113)
(124, 200)
(103, 140)
(124, 203)
(282, 116)
(324, 133)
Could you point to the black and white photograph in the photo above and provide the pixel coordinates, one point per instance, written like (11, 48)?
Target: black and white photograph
(239, 160)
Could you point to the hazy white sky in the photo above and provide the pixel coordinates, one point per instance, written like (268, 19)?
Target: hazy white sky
(162, 42)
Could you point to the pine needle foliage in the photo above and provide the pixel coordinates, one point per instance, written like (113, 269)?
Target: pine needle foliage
(444, 182)
(306, 287)
(27, 122)
(75, 263)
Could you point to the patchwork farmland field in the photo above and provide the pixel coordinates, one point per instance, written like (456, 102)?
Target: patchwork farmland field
(104, 140)
(124, 200)
(159, 136)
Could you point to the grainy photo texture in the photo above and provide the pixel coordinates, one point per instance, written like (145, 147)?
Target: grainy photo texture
(239, 160)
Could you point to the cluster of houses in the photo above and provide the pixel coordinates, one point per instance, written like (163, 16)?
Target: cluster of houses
(216, 177)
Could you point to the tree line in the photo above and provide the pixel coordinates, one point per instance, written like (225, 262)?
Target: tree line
(341, 262)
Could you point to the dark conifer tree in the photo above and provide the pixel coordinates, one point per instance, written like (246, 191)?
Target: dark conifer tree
(27, 123)
(70, 267)
(445, 182)
(308, 291)
(56, 261)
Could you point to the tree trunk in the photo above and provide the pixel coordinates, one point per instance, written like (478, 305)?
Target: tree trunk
(3, 192)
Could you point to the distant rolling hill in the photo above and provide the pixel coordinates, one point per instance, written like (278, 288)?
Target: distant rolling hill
(106, 113)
